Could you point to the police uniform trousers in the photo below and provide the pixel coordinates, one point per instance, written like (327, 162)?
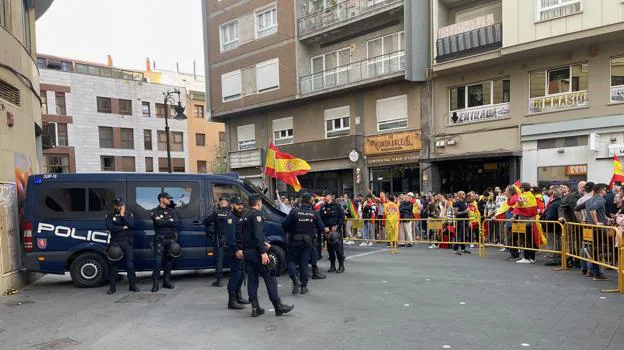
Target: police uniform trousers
(299, 254)
(128, 255)
(237, 275)
(219, 252)
(255, 270)
(162, 259)
(336, 250)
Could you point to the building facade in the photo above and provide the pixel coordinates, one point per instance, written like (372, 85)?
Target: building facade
(101, 118)
(20, 127)
(524, 89)
(337, 84)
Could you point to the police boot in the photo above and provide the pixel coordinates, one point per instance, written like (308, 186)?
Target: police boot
(112, 289)
(281, 309)
(296, 286)
(240, 299)
(155, 286)
(133, 287)
(332, 268)
(217, 283)
(341, 268)
(167, 281)
(233, 303)
(316, 275)
(256, 310)
(304, 290)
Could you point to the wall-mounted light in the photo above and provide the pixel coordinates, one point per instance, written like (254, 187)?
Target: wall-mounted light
(450, 142)
(560, 150)
(613, 139)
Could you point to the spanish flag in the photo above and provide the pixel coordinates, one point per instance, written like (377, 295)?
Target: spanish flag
(527, 206)
(285, 167)
(618, 172)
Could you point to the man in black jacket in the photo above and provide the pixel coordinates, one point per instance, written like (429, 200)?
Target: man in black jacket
(118, 223)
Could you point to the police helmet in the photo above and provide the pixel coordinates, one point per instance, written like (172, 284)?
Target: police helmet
(174, 249)
(332, 237)
(115, 253)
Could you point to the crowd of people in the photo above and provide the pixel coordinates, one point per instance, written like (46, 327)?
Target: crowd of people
(402, 219)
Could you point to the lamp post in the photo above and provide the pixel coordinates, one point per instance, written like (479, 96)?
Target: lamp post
(169, 99)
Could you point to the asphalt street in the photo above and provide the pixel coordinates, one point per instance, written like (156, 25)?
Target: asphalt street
(418, 299)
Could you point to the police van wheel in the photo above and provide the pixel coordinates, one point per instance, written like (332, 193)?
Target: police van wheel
(278, 256)
(89, 270)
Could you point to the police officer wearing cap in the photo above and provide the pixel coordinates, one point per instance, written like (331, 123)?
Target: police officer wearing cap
(218, 226)
(257, 260)
(300, 225)
(118, 223)
(236, 249)
(166, 247)
(333, 217)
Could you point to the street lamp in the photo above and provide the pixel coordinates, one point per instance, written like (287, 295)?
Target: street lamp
(169, 99)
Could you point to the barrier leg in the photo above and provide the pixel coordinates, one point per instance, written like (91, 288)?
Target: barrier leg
(564, 256)
(620, 271)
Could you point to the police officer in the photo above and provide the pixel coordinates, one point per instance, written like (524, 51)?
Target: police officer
(218, 226)
(166, 248)
(118, 223)
(257, 260)
(333, 217)
(300, 225)
(236, 248)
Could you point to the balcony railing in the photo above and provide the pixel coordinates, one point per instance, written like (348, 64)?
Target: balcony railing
(374, 67)
(469, 42)
(337, 13)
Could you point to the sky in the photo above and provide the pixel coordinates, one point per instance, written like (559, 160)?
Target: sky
(167, 31)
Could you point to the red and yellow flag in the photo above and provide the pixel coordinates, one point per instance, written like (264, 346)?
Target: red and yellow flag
(618, 172)
(285, 167)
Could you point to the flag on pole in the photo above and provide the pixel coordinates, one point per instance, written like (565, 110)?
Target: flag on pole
(352, 209)
(285, 167)
(618, 172)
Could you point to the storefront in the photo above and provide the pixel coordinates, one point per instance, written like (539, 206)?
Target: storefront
(477, 174)
(337, 182)
(392, 161)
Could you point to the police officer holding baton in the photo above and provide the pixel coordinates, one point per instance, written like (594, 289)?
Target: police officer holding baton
(299, 225)
(333, 217)
(257, 260)
(166, 247)
(118, 223)
(218, 225)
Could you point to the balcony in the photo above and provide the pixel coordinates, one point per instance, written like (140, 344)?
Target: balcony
(326, 18)
(468, 38)
(334, 148)
(368, 70)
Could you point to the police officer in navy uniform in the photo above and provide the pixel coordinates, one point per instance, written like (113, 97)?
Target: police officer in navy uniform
(257, 260)
(118, 223)
(236, 249)
(218, 225)
(333, 217)
(166, 222)
(300, 225)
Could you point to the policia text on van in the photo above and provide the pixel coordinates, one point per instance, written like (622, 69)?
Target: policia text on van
(64, 226)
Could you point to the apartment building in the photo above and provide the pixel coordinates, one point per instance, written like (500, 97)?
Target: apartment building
(338, 84)
(102, 118)
(20, 127)
(525, 89)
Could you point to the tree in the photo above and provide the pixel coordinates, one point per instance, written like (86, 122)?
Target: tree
(219, 163)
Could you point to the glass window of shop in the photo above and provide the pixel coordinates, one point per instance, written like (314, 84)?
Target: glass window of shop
(561, 175)
(395, 180)
(617, 79)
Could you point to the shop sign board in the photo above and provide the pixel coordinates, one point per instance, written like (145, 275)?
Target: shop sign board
(617, 94)
(557, 102)
(246, 159)
(395, 142)
(479, 114)
(576, 170)
(616, 149)
(393, 159)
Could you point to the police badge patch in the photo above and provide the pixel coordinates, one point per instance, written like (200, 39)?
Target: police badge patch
(42, 243)
(259, 218)
(229, 221)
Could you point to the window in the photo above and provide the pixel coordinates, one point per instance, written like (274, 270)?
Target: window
(231, 86)
(56, 163)
(49, 136)
(104, 105)
(127, 138)
(337, 122)
(67, 66)
(41, 62)
(176, 140)
(283, 131)
(267, 75)
(617, 79)
(246, 136)
(147, 140)
(221, 136)
(160, 110)
(331, 69)
(199, 111)
(480, 94)
(386, 54)
(229, 35)
(44, 100)
(177, 165)
(26, 7)
(149, 164)
(107, 163)
(64, 200)
(2, 20)
(227, 190)
(549, 9)
(200, 139)
(185, 196)
(559, 80)
(61, 134)
(202, 167)
(59, 98)
(78, 200)
(561, 142)
(106, 137)
(392, 113)
(172, 111)
(145, 109)
(127, 164)
(125, 107)
(266, 22)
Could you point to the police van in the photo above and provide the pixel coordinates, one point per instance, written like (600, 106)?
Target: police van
(64, 228)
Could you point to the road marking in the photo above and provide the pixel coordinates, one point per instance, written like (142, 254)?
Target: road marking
(405, 304)
(526, 345)
(462, 303)
(446, 346)
(365, 254)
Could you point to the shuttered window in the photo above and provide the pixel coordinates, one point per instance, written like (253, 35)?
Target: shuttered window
(9, 93)
(283, 131)
(267, 75)
(392, 113)
(246, 135)
(231, 86)
(337, 122)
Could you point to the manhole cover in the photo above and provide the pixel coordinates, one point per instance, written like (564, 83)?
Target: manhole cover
(141, 298)
(57, 344)
(19, 303)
